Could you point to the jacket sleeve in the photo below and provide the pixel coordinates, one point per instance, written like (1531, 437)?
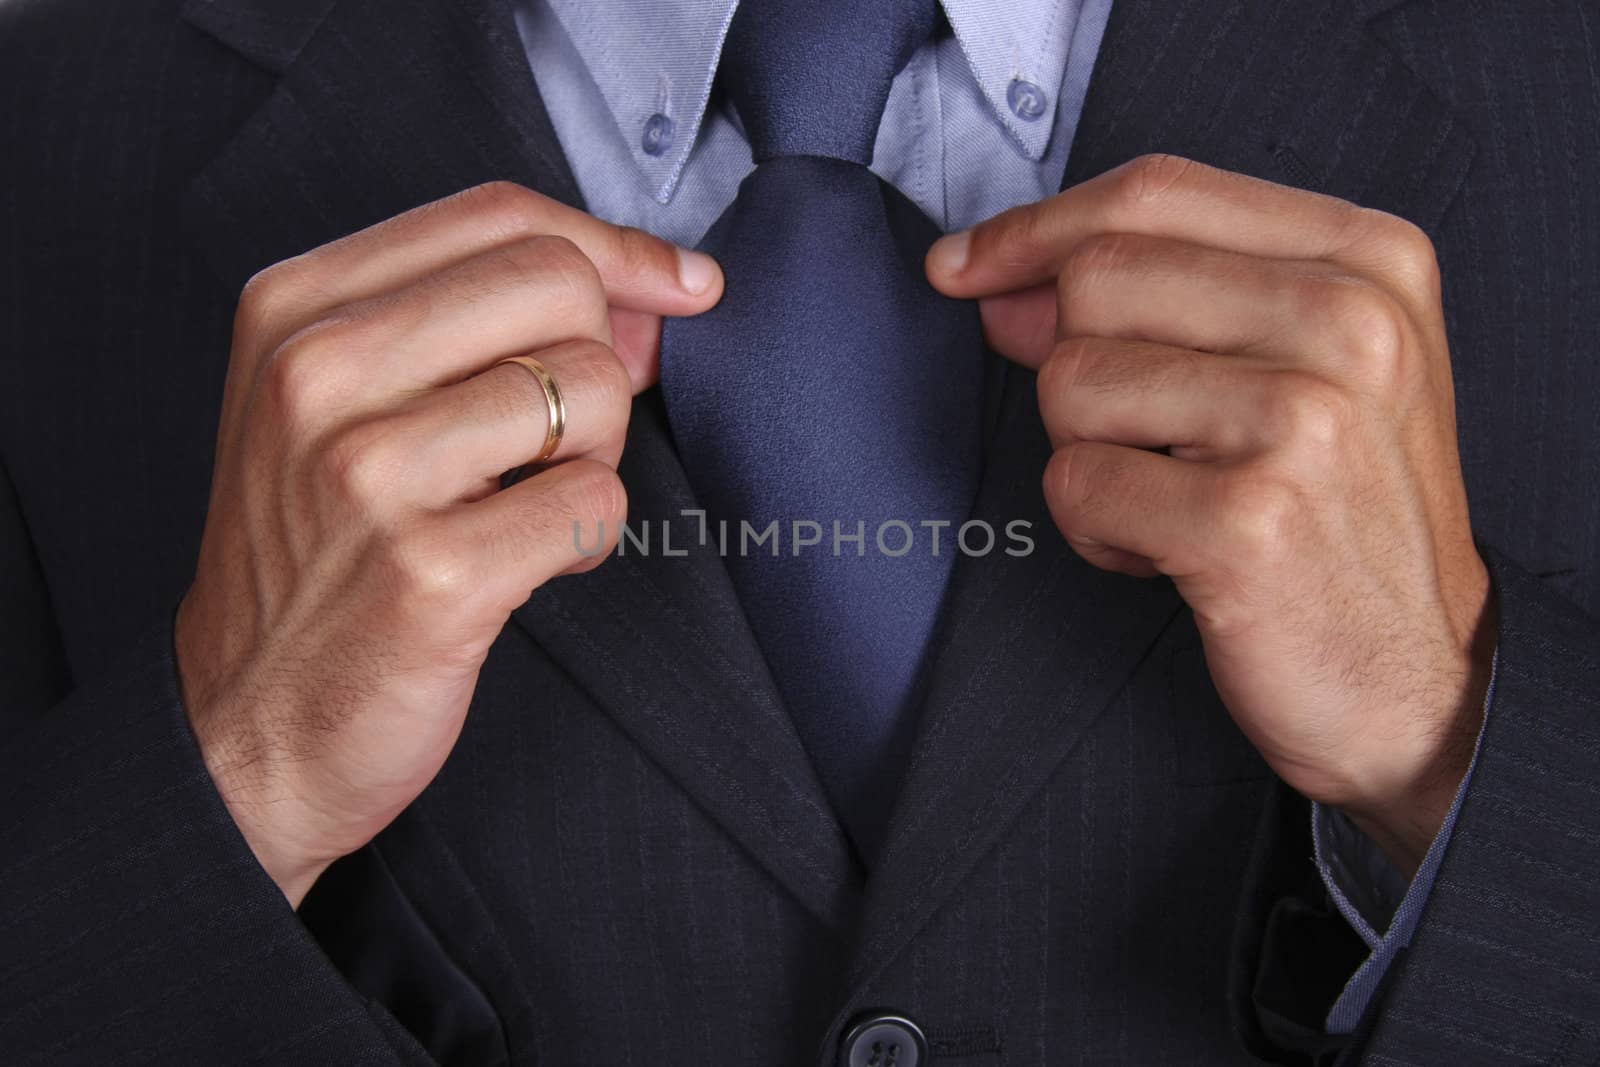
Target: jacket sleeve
(1379, 902)
(1504, 964)
(135, 922)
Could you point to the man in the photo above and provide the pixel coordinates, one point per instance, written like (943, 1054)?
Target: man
(1241, 741)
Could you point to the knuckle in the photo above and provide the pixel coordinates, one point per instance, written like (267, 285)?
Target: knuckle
(1375, 326)
(368, 325)
(590, 494)
(1410, 241)
(1151, 178)
(268, 297)
(1083, 486)
(500, 193)
(507, 209)
(532, 255)
(1257, 512)
(1307, 414)
(1060, 373)
(1016, 236)
(1036, 227)
(1404, 248)
(429, 568)
(497, 272)
(1420, 260)
(1058, 481)
(293, 377)
(1068, 487)
(611, 381)
(592, 380)
(363, 463)
(308, 371)
(1092, 261)
(1369, 326)
(640, 255)
(574, 282)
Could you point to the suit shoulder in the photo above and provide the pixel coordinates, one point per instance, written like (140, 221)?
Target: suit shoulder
(29, 26)
(59, 54)
(99, 92)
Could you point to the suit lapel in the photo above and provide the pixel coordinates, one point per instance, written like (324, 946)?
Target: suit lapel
(661, 642)
(381, 107)
(1029, 651)
(1033, 648)
(377, 108)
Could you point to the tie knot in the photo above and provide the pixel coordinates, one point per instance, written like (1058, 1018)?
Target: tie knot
(811, 77)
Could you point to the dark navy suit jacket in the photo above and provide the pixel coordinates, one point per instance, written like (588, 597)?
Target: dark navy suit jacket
(628, 859)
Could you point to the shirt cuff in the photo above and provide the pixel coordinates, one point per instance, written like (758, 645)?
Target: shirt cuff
(1372, 894)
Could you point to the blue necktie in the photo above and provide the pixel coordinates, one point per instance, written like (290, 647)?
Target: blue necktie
(832, 384)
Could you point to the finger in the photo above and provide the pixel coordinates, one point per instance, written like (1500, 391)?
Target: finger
(1192, 296)
(520, 298)
(1155, 396)
(1161, 196)
(1021, 325)
(636, 338)
(640, 271)
(560, 521)
(1112, 502)
(455, 443)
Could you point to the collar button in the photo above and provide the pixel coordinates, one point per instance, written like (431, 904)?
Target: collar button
(1027, 100)
(658, 130)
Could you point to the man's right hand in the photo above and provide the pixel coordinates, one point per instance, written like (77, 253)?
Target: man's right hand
(359, 556)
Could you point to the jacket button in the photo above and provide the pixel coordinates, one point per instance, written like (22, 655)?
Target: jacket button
(884, 1039)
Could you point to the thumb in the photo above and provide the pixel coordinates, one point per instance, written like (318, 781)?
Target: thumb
(1021, 325)
(636, 339)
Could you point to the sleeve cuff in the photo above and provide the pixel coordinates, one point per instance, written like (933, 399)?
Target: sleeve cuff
(135, 919)
(1372, 894)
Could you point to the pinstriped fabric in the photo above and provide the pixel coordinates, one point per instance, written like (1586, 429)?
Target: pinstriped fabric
(1520, 346)
(1516, 896)
(34, 672)
(599, 863)
(1526, 855)
(236, 926)
(1097, 930)
(694, 942)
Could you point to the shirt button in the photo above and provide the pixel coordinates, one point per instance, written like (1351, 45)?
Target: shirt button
(1027, 100)
(657, 134)
(884, 1040)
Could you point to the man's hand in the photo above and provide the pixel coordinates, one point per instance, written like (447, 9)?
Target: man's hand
(1288, 350)
(359, 557)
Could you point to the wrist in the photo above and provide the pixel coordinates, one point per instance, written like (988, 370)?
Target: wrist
(1404, 821)
(247, 773)
(268, 811)
(1410, 788)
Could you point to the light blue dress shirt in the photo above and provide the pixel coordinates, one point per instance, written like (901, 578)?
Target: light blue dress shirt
(978, 121)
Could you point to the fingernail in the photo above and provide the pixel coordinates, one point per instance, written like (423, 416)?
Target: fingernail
(696, 271)
(949, 254)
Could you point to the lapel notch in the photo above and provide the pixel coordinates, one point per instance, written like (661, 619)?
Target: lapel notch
(378, 108)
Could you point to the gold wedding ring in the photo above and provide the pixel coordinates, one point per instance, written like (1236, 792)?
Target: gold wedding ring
(553, 401)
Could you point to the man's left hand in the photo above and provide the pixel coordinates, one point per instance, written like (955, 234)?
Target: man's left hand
(1248, 389)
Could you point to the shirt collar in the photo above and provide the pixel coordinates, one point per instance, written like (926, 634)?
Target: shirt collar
(1018, 54)
(654, 62)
